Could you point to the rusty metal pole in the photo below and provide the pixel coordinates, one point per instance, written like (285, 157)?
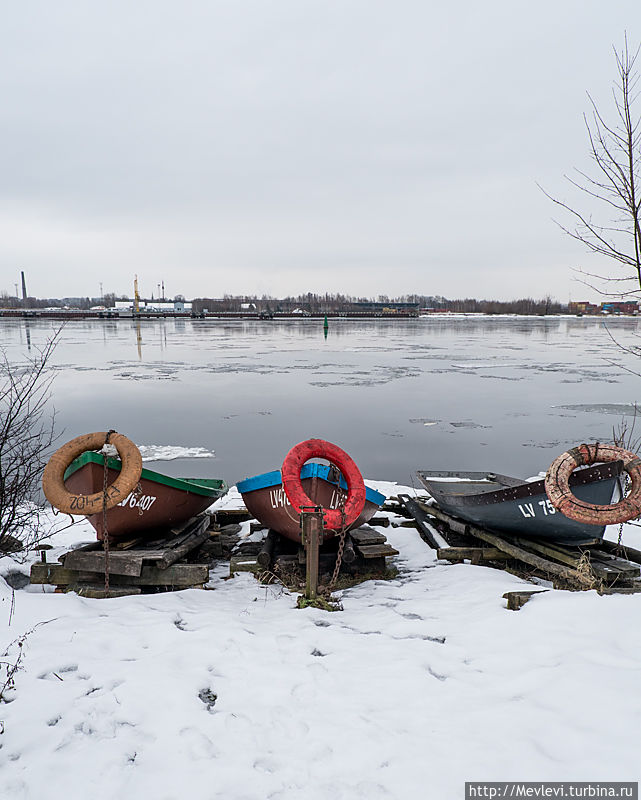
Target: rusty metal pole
(311, 525)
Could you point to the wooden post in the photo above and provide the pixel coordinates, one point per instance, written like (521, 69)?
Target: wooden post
(311, 525)
(267, 550)
(349, 554)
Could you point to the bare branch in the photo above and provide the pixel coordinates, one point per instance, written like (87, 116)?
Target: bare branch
(26, 433)
(615, 150)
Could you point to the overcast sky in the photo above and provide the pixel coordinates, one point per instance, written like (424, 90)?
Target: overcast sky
(257, 146)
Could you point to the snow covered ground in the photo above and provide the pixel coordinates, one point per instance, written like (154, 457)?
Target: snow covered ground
(419, 684)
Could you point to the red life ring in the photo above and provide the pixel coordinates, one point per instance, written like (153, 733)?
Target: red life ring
(318, 448)
(558, 488)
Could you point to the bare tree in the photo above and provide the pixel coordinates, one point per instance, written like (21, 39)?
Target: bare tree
(615, 150)
(26, 433)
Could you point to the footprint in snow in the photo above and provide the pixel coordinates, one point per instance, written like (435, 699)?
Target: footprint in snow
(198, 746)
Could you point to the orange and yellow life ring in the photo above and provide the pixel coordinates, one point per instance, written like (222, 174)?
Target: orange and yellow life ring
(53, 483)
(561, 496)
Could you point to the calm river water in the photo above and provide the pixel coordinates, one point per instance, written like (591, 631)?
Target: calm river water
(491, 393)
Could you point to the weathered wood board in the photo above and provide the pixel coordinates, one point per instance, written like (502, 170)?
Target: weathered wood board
(91, 558)
(376, 550)
(174, 575)
(516, 600)
(365, 536)
(428, 533)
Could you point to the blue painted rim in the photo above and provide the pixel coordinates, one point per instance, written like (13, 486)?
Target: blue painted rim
(310, 470)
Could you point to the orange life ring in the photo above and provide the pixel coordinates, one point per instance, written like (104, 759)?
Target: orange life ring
(558, 489)
(318, 448)
(53, 483)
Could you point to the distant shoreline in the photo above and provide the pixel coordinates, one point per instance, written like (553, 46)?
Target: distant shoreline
(80, 314)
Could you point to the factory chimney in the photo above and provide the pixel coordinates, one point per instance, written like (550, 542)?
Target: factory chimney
(24, 290)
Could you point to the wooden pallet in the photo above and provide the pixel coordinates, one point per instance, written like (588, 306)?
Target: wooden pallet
(365, 551)
(603, 566)
(132, 568)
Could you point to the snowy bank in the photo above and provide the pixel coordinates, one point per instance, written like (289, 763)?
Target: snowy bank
(419, 684)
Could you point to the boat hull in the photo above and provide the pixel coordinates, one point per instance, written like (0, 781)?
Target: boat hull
(512, 506)
(161, 503)
(265, 499)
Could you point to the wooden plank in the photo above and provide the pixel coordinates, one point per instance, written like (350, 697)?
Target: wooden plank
(521, 554)
(376, 550)
(457, 525)
(393, 507)
(243, 564)
(127, 563)
(627, 568)
(381, 522)
(256, 526)
(163, 552)
(231, 515)
(53, 573)
(634, 588)
(367, 536)
(427, 532)
(128, 544)
(603, 569)
(516, 600)
(98, 592)
(473, 554)
(176, 575)
(627, 552)
(563, 556)
(197, 534)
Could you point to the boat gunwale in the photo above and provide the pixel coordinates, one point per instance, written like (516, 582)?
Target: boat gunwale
(269, 480)
(179, 484)
(516, 491)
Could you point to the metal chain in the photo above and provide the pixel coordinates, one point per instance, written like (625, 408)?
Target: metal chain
(626, 485)
(105, 532)
(341, 536)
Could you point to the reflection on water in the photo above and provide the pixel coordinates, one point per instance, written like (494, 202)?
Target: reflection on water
(496, 393)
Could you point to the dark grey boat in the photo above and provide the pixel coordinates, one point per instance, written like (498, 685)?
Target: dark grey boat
(514, 506)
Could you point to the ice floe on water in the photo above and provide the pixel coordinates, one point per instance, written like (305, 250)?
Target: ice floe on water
(620, 409)
(169, 452)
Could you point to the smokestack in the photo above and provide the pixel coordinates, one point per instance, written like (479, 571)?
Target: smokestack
(24, 290)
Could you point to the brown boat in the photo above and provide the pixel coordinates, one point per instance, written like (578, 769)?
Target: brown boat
(161, 503)
(266, 500)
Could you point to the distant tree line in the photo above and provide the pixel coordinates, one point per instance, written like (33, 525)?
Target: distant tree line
(313, 303)
(319, 303)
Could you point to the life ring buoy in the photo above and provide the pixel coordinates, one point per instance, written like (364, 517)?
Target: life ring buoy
(318, 448)
(558, 489)
(53, 483)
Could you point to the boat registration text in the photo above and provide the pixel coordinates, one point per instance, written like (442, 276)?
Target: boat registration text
(529, 510)
(143, 502)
